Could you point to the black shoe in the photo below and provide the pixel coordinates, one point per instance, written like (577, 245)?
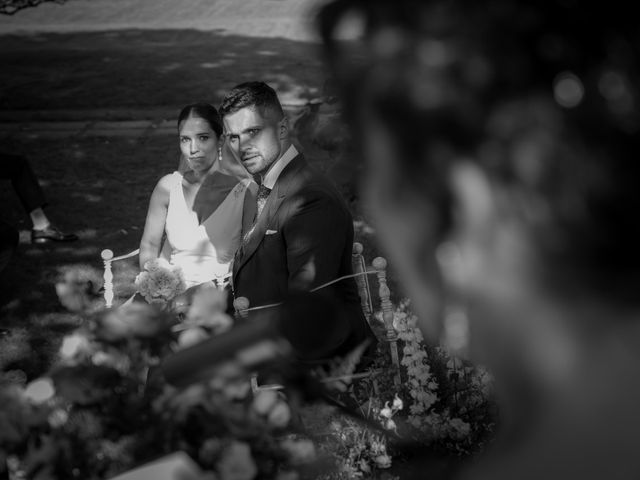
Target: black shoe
(51, 234)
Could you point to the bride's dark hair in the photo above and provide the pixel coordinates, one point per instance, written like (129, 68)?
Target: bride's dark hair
(206, 112)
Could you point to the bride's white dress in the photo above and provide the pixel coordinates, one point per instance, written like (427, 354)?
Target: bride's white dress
(203, 250)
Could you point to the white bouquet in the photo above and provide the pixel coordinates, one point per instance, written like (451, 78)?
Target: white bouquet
(160, 282)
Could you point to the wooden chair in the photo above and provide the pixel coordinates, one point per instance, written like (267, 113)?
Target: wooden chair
(241, 308)
(384, 293)
(241, 305)
(108, 259)
(361, 273)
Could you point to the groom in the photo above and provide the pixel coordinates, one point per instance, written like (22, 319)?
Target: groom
(300, 232)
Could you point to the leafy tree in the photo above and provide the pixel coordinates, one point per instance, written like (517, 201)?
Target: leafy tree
(9, 7)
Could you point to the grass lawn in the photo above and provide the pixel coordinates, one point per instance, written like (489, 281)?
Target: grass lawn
(96, 187)
(136, 68)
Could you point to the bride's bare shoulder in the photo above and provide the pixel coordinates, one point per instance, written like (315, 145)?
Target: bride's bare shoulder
(163, 187)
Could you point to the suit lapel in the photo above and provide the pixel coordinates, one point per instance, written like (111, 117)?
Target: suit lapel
(276, 197)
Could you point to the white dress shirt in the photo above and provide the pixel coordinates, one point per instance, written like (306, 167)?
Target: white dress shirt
(274, 172)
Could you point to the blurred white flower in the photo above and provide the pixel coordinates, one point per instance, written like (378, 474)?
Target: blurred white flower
(378, 447)
(236, 463)
(264, 401)
(237, 389)
(58, 418)
(279, 415)
(116, 360)
(40, 390)
(390, 425)
(73, 345)
(397, 403)
(386, 411)
(191, 336)
(382, 461)
(300, 451)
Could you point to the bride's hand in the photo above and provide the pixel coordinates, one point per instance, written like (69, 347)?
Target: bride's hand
(183, 302)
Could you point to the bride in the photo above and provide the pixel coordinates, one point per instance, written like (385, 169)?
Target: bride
(199, 208)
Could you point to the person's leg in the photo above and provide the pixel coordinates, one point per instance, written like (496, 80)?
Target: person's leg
(8, 243)
(17, 169)
(39, 219)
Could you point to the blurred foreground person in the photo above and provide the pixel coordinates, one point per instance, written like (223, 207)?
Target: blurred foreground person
(501, 147)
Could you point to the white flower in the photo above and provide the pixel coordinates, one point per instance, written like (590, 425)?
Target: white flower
(142, 283)
(264, 401)
(191, 336)
(378, 447)
(156, 264)
(116, 360)
(389, 424)
(237, 463)
(58, 418)
(397, 403)
(40, 390)
(382, 461)
(300, 451)
(363, 466)
(236, 390)
(279, 415)
(73, 344)
(160, 281)
(386, 411)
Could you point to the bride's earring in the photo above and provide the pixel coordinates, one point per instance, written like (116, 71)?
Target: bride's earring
(219, 155)
(455, 331)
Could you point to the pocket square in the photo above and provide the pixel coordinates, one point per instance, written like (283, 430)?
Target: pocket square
(270, 232)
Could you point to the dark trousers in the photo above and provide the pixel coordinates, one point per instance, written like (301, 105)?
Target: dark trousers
(17, 169)
(8, 243)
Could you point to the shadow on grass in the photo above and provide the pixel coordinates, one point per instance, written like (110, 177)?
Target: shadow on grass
(121, 174)
(148, 68)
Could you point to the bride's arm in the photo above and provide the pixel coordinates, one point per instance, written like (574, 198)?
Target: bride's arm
(154, 225)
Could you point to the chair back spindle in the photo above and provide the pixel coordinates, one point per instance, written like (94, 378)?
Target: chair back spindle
(241, 307)
(362, 281)
(380, 264)
(107, 258)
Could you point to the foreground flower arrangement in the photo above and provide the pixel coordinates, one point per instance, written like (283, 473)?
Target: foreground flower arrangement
(103, 408)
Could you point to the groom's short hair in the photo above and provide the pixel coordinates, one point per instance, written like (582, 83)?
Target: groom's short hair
(258, 95)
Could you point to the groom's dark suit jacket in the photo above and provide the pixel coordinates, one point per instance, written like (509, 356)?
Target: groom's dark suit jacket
(302, 240)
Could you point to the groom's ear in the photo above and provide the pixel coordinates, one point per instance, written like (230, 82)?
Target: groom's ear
(283, 128)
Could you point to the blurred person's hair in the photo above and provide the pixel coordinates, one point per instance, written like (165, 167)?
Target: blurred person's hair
(542, 96)
(256, 95)
(206, 112)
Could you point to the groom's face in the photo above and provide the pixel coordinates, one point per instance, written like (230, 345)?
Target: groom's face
(255, 138)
